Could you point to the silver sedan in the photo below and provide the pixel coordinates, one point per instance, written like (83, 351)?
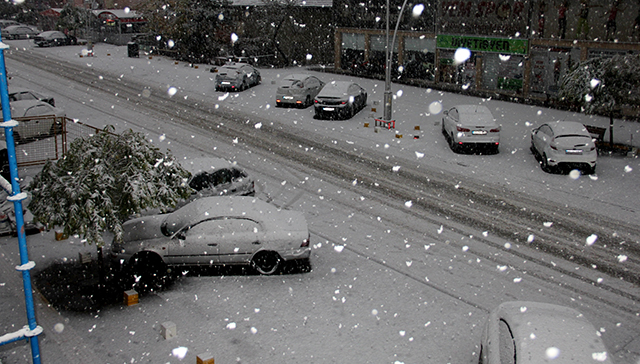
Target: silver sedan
(211, 231)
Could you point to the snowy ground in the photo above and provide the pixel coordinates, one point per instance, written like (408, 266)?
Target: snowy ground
(338, 312)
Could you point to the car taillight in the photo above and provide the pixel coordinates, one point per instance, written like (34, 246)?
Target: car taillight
(461, 129)
(496, 130)
(298, 102)
(305, 243)
(278, 100)
(316, 101)
(342, 102)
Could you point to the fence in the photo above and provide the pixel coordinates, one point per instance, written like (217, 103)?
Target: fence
(44, 138)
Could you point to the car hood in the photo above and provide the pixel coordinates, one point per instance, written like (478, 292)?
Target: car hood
(143, 228)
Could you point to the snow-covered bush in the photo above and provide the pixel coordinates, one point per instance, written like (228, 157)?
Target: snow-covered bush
(104, 179)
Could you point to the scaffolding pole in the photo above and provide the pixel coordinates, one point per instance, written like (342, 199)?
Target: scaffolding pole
(31, 331)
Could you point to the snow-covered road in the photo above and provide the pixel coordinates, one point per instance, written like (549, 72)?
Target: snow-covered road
(388, 284)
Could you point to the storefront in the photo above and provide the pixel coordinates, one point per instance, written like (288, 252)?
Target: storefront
(493, 64)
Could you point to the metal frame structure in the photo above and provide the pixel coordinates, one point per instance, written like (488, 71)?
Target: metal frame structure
(32, 330)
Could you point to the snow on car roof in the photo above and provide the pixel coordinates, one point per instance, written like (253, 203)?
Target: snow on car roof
(537, 327)
(297, 76)
(475, 113)
(569, 127)
(268, 215)
(198, 165)
(19, 108)
(335, 88)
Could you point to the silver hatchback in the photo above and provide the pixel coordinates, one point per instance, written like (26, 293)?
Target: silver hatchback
(298, 90)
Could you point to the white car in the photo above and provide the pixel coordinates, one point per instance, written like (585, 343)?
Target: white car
(472, 126)
(211, 231)
(19, 94)
(237, 77)
(298, 90)
(218, 177)
(564, 145)
(340, 99)
(36, 120)
(533, 332)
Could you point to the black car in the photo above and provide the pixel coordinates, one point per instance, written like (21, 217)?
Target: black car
(54, 38)
(340, 99)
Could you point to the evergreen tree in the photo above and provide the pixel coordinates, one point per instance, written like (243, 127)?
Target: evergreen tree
(602, 85)
(102, 181)
(71, 18)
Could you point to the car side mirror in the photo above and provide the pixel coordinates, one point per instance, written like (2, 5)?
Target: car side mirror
(446, 112)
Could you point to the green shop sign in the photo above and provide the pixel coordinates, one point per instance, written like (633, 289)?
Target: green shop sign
(480, 44)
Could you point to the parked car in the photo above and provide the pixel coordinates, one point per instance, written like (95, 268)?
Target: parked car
(41, 120)
(19, 32)
(211, 231)
(564, 145)
(7, 23)
(237, 77)
(54, 38)
(298, 90)
(218, 177)
(470, 126)
(533, 332)
(19, 94)
(340, 99)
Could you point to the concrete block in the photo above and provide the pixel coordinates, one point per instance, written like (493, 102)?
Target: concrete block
(205, 358)
(168, 330)
(130, 297)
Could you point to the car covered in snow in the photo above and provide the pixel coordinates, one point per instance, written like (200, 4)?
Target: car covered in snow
(19, 94)
(237, 77)
(37, 119)
(53, 38)
(218, 177)
(211, 231)
(298, 90)
(340, 99)
(470, 126)
(564, 146)
(533, 332)
(19, 32)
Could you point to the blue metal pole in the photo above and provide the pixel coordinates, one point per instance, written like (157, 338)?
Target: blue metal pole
(17, 197)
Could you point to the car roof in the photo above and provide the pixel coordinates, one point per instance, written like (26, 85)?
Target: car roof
(247, 207)
(335, 88)
(198, 165)
(297, 76)
(20, 107)
(51, 32)
(475, 113)
(569, 127)
(537, 326)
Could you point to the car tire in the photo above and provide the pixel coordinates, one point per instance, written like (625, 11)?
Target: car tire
(244, 85)
(453, 145)
(307, 102)
(266, 262)
(147, 272)
(544, 163)
(17, 139)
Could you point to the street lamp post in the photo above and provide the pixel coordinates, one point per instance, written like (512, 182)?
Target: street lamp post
(388, 98)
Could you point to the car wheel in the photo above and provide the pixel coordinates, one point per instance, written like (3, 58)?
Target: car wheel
(244, 86)
(266, 262)
(453, 145)
(307, 102)
(147, 272)
(16, 137)
(544, 163)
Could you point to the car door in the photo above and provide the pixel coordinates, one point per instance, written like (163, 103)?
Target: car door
(196, 245)
(542, 138)
(450, 120)
(240, 238)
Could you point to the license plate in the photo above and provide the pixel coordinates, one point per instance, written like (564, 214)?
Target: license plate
(328, 109)
(225, 82)
(288, 97)
(479, 132)
(573, 151)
